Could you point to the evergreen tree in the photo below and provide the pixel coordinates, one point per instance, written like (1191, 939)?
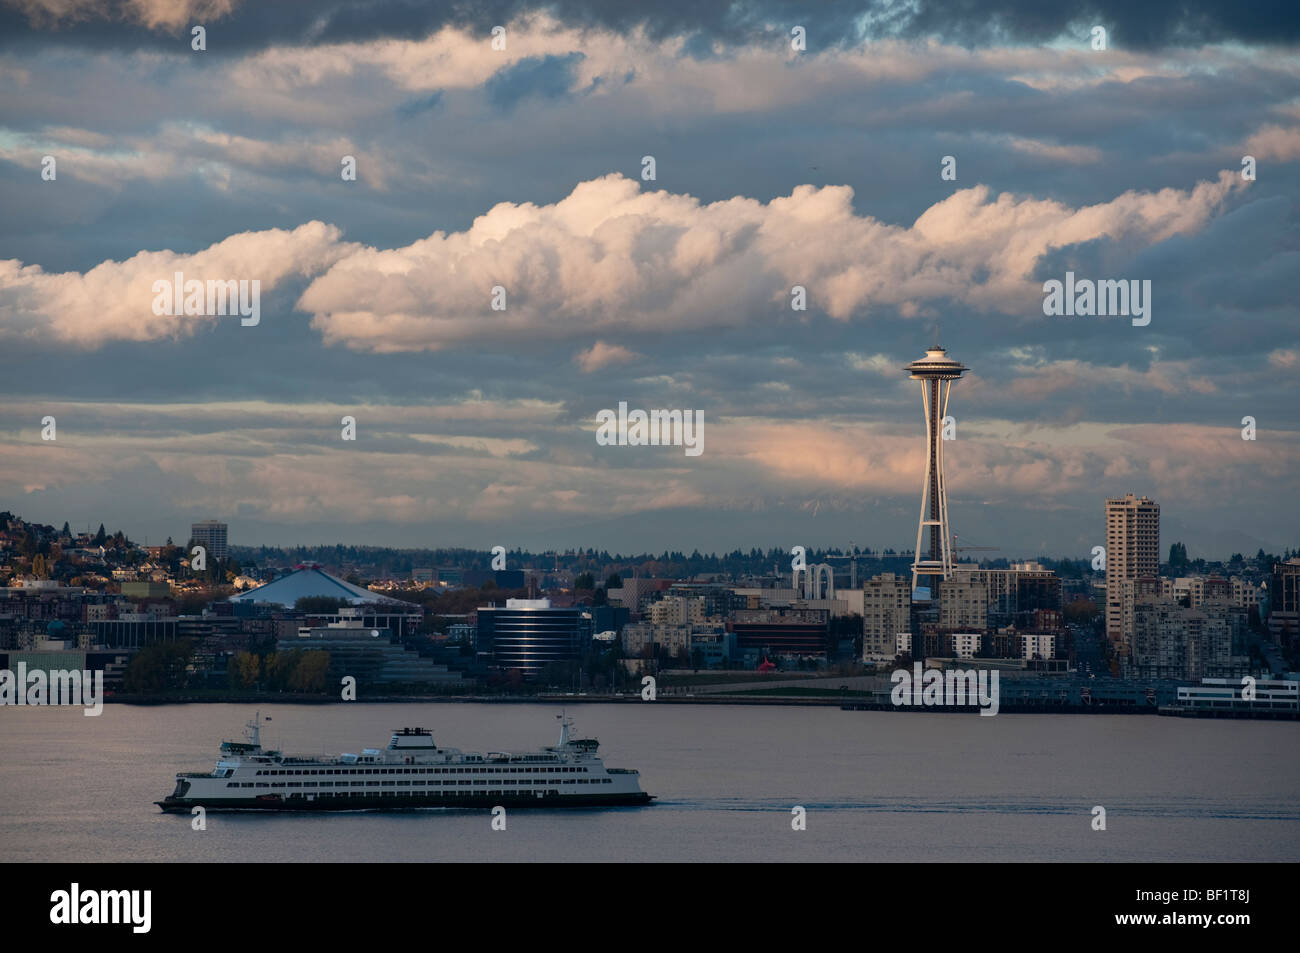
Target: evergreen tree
(100, 536)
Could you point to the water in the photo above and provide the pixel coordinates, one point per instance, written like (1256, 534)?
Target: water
(877, 786)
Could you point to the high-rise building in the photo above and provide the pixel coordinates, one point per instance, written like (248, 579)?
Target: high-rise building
(1170, 640)
(1132, 551)
(936, 372)
(1284, 604)
(887, 613)
(211, 535)
(963, 603)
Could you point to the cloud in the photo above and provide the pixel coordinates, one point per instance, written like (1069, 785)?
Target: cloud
(1072, 155)
(187, 149)
(610, 257)
(167, 15)
(601, 355)
(1275, 142)
(1285, 358)
(1153, 24)
(114, 300)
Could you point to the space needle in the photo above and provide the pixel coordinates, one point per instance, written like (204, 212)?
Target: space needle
(936, 372)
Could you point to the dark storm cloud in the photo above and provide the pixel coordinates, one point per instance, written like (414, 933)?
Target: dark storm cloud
(1135, 25)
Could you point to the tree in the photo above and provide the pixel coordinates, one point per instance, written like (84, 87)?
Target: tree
(1177, 556)
(67, 530)
(158, 667)
(245, 669)
(585, 581)
(100, 536)
(615, 581)
(309, 671)
(278, 667)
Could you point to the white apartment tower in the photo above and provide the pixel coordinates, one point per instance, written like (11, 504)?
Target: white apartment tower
(1132, 552)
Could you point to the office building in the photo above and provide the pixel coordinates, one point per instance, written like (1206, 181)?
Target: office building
(211, 535)
(528, 634)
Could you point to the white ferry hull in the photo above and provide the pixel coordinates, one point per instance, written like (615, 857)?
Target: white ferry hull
(412, 773)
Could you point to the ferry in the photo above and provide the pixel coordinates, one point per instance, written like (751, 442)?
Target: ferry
(412, 772)
(1277, 698)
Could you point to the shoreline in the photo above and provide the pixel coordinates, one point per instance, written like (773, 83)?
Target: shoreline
(712, 699)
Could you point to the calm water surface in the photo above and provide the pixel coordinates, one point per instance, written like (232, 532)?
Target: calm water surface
(877, 786)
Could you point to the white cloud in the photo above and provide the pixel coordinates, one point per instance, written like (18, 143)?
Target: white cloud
(601, 355)
(611, 257)
(114, 300)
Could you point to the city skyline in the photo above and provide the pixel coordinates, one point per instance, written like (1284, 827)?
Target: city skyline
(476, 427)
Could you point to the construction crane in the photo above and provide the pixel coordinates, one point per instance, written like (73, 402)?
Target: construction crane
(973, 549)
(853, 564)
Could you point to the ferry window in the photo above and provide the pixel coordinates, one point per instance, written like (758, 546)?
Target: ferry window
(388, 784)
(402, 784)
(263, 784)
(358, 784)
(232, 784)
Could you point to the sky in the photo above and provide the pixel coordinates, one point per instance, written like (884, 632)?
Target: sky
(524, 168)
